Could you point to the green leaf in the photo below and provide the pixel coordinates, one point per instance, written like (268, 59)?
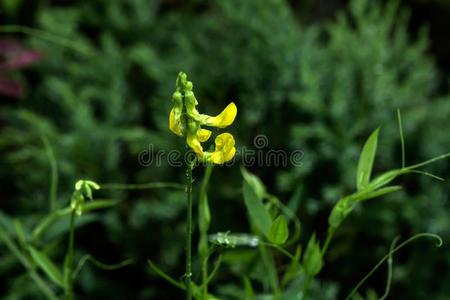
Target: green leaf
(249, 292)
(278, 232)
(204, 214)
(47, 265)
(7, 223)
(340, 211)
(366, 161)
(20, 232)
(254, 182)
(380, 192)
(312, 260)
(98, 204)
(254, 192)
(387, 177)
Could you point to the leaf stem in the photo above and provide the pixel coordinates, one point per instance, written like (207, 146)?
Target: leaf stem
(330, 235)
(387, 256)
(428, 161)
(165, 276)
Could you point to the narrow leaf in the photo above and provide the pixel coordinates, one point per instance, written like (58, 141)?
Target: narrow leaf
(98, 204)
(254, 182)
(386, 177)
(249, 292)
(340, 211)
(366, 160)
(278, 232)
(253, 196)
(47, 265)
(312, 260)
(20, 232)
(380, 192)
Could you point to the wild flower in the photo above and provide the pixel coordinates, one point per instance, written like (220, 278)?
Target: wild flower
(186, 121)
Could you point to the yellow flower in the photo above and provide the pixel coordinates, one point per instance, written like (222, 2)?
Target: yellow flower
(195, 139)
(224, 119)
(224, 151)
(186, 121)
(194, 143)
(203, 134)
(175, 123)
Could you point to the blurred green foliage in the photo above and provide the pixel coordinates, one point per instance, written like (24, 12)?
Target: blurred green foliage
(321, 88)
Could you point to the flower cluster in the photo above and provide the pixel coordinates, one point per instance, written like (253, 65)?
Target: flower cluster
(83, 191)
(186, 121)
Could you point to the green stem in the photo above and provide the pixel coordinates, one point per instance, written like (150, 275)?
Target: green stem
(330, 235)
(188, 273)
(204, 277)
(387, 256)
(306, 287)
(427, 162)
(269, 264)
(283, 251)
(69, 263)
(203, 221)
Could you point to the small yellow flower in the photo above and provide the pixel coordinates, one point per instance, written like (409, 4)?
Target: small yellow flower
(186, 121)
(203, 134)
(194, 143)
(224, 119)
(175, 123)
(224, 151)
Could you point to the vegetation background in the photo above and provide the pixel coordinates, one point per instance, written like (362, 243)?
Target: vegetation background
(315, 76)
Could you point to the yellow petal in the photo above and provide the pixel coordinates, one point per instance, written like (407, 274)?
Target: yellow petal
(224, 119)
(203, 135)
(225, 149)
(194, 144)
(174, 125)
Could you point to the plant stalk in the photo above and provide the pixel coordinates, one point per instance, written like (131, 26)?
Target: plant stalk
(306, 287)
(188, 273)
(69, 264)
